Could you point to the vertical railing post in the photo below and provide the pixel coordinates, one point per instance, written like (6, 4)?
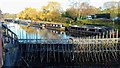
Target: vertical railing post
(6, 35)
(13, 38)
(11, 35)
(110, 34)
(117, 34)
(113, 33)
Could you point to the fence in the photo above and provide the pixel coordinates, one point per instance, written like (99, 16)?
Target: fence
(111, 37)
(103, 49)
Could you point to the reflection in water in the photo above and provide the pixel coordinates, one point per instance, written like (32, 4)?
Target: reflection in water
(23, 32)
(28, 30)
(47, 35)
(56, 31)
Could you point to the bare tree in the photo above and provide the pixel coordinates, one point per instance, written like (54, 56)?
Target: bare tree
(112, 8)
(0, 13)
(119, 9)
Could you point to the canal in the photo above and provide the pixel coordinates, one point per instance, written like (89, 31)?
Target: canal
(26, 58)
(24, 32)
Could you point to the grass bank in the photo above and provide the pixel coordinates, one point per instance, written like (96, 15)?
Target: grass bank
(106, 22)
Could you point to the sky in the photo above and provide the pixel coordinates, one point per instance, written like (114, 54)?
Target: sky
(16, 6)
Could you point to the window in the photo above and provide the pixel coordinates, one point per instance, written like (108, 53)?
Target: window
(100, 30)
(73, 27)
(92, 30)
(81, 28)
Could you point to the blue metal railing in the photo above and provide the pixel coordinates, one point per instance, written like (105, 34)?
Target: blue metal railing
(9, 36)
(45, 41)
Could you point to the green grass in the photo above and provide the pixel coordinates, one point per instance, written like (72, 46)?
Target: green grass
(105, 22)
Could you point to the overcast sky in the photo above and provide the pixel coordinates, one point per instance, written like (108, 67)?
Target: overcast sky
(15, 6)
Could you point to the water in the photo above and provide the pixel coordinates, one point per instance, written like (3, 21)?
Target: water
(36, 33)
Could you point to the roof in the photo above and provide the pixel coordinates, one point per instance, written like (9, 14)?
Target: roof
(94, 27)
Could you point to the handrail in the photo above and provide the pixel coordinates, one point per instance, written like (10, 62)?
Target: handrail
(71, 41)
(47, 41)
(8, 29)
(9, 36)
